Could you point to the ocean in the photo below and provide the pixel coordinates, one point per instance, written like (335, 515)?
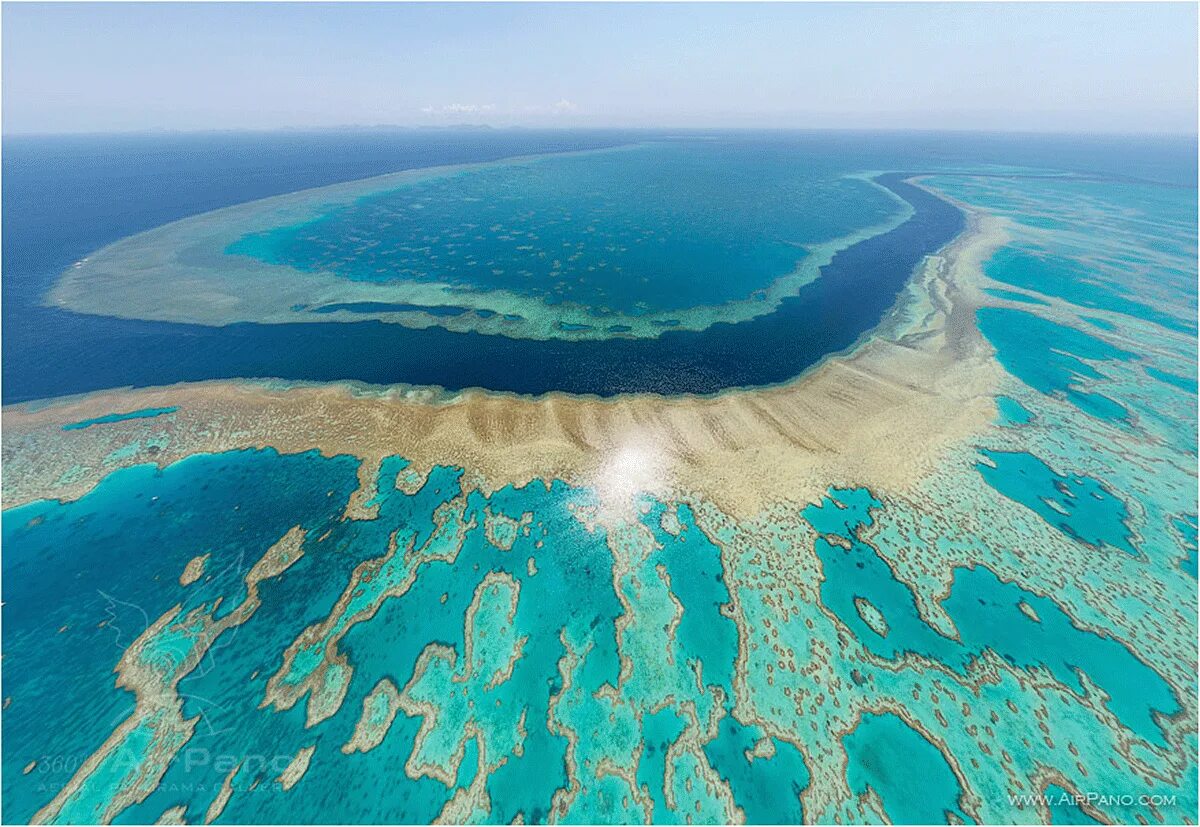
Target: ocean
(1003, 632)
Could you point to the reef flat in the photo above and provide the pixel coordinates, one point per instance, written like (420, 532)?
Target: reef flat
(947, 575)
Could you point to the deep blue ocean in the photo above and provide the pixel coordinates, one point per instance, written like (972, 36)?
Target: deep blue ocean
(65, 197)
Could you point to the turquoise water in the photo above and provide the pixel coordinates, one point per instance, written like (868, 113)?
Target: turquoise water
(912, 779)
(1186, 526)
(1185, 383)
(618, 678)
(1013, 295)
(153, 523)
(1080, 506)
(1079, 282)
(1053, 358)
(515, 563)
(373, 307)
(767, 789)
(433, 608)
(984, 610)
(144, 413)
(648, 228)
(1012, 412)
(470, 555)
(1064, 809)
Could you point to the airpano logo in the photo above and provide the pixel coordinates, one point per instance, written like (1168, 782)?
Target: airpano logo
(1093, 799)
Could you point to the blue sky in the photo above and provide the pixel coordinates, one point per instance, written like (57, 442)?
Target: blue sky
(1069, 67)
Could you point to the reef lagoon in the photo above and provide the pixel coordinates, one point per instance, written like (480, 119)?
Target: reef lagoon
(828, 478)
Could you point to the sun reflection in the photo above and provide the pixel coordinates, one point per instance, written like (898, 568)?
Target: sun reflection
(634, 470)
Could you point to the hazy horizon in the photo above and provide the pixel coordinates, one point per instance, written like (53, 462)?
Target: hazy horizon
(1049, 68)
(483, 127)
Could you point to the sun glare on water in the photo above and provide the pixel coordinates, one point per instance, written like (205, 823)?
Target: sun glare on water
(632, 472)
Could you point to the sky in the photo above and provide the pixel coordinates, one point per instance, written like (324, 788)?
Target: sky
(97, 67)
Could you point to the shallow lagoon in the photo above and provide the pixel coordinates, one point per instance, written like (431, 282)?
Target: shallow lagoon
(643, 230)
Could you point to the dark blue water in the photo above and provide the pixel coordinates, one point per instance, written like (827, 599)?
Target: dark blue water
(65, 197)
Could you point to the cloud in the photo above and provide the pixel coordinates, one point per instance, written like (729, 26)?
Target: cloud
(562, 107)
(459, 109)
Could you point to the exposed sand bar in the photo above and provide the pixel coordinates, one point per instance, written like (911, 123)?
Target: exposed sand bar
(880, 415)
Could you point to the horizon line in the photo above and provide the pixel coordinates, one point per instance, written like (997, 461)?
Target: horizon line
(483, 127)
